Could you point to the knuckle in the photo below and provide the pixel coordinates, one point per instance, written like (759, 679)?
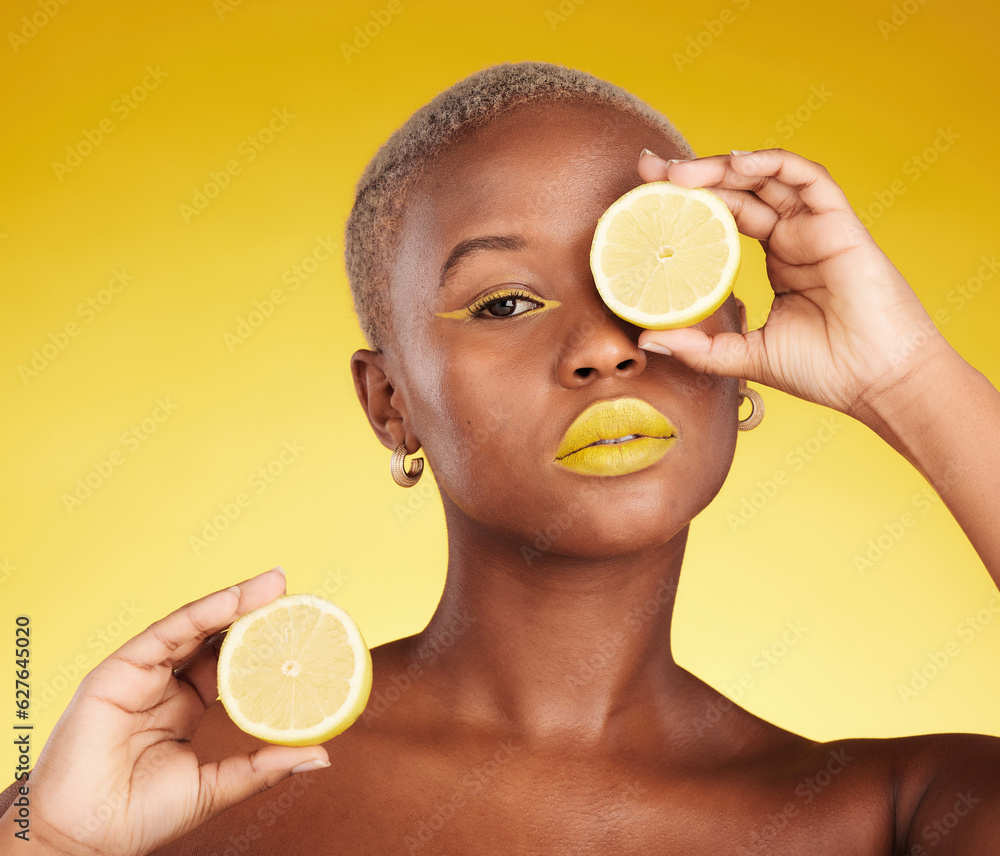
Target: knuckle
(260, 780)
(821, 169)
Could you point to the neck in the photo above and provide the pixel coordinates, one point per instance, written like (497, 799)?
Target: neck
(544, 643)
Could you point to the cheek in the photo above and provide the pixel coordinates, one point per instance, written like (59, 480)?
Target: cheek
(706, 411)
(715, 421)
(720, 412)
(470, 417)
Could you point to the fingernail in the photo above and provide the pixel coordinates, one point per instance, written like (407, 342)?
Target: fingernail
(648, 152)
(281, 569)
(739, 152)
(679, 160)
(306, 766)
(235, 590)
(657, 349)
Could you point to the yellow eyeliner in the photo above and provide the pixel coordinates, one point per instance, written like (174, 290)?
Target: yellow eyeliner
(468, 313)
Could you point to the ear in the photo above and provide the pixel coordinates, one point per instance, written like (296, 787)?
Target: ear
(381, 402)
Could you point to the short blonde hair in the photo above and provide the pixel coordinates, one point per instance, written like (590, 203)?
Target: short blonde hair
(372, 231)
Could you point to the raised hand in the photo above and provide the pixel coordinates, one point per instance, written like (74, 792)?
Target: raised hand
(118, 775)
(844, 326)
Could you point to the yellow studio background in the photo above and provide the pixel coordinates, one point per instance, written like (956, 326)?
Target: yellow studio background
(178, 409)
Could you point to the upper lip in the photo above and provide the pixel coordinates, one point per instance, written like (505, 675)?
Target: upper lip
(618, 419)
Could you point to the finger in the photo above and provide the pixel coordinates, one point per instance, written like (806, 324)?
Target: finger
(811, 181)
(178, 707)
(711, 172)
(754, 217)
(228, 782)
(782, 179)
(201, 671)
(652, 167)
(770, 192)
(727, 354)
(135, 675)
(176, 637)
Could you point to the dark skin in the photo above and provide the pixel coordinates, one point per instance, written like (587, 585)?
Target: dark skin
(491, 731)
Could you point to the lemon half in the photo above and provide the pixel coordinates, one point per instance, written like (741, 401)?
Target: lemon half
(665, 256)
(295, 672)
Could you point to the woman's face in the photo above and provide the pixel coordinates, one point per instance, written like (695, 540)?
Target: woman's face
(490, 396)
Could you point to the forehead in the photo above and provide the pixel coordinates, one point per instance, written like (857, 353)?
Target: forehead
(544, 171)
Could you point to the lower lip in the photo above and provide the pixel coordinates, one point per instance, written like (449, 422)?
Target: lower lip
(617, 459)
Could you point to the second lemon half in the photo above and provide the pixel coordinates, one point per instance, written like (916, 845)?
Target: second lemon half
(665, 256)
(296, 671)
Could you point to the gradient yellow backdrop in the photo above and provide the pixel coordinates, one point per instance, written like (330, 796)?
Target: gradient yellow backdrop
(170, 169)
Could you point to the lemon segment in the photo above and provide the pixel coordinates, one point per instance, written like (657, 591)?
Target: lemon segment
(665, 256)
(296, 671)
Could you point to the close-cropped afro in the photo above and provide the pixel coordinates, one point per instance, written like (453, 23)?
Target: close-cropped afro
(372, 230)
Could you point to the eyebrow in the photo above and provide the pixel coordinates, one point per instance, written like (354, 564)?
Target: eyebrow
(509, 243)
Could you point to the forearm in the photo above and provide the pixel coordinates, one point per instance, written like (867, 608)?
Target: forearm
(944, 417)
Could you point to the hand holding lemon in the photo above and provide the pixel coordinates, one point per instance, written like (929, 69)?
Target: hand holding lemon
(843, 325)
(118, 774)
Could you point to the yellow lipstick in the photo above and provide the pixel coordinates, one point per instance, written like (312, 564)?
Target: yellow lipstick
(612, 438)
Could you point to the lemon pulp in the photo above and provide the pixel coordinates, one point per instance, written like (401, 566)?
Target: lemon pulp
(296, 671)
(665, 256)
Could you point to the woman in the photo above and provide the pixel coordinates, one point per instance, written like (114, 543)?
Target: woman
(468, 255)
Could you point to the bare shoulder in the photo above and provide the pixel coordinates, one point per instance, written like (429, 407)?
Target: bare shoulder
(938, 793)
(948, 793)
(915, 796)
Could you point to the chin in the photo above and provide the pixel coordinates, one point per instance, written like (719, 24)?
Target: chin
(607, 530)
(616, 519)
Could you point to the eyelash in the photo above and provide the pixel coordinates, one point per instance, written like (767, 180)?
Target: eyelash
(496, 297)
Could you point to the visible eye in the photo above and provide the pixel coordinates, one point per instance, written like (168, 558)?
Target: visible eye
(504, 305)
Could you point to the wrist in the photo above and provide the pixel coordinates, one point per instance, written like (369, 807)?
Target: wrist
(26, 836)
(902, 405)
(18, 837)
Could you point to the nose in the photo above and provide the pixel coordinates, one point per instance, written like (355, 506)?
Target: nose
(596, 345)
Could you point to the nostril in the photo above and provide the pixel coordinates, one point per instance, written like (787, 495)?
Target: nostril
(625, 364)
(582, 373)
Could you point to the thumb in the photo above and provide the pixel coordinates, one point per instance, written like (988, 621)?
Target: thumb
(228, 782)
(729, 354)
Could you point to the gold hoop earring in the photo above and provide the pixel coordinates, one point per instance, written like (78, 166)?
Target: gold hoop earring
(757, 408)
(400, 475)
